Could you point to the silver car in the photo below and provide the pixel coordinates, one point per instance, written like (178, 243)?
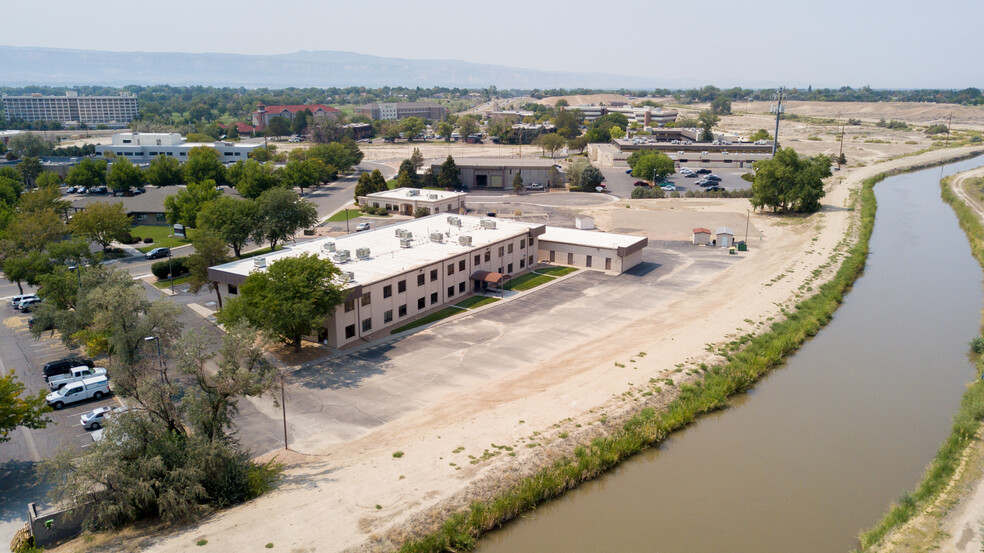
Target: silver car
(93, 420)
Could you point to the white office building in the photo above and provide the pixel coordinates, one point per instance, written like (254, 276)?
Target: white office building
(72, 108)
(144, 147)
(406, 201)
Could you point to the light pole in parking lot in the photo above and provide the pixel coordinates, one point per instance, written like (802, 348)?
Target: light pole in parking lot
(160, 357)
(78, 272)
(283, 405)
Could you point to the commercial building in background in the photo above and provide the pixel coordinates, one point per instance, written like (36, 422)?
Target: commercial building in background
(5, 136)
(402, 110)
(645, 116)
(493, 173)
(406, 201)
(72, 108)
(599, 251)
(399, 271)
(144, 147)
(263, 114)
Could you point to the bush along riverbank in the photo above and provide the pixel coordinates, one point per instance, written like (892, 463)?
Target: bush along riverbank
(966, 422)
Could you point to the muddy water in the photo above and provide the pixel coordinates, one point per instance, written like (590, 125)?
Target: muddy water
(818, 450)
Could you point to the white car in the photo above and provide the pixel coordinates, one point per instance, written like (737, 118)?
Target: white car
(14, 301)
(362, 226)
(93, 420)
(535, 186)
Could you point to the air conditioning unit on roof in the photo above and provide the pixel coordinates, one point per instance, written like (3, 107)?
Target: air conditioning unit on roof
(465, 240)
(437, 237)
(362, 253)
(259, 262)
(405, 243)
(487, 224)
(340, 256)
(328, 246)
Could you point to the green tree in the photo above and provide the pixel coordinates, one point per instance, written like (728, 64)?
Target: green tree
(102, 223)
(575, 170)
(363, 186)
(234, 220)
(721, 105)
(450, 175)
(568, 123)
(653, 166)
(517, 183)
(184, 206)
(19, 409)
(300, 122)
(551, 142)
(257, 178)
(204, 162)
(708, 120)
(417, 159)
(48, 179)
(590, 179)
(291, 299)
(342, 155)
(411, 127)
(562, 103)
(467, 125)
(34, 230)
(554, 180)
(210, 250)
(378, 181)
(391, 130)
(444, 130)
(277, 126)
(407, 176)
(264, 153)
(303, 174)
(788, 182)
(164, 171)
(124, 175)
(760, 134)
(71, 252)
(200, 112)
(88, 173)
(616, 132)
(282, 214)
(27, 268)
(29, 168)
(577, 144)
(30, 144)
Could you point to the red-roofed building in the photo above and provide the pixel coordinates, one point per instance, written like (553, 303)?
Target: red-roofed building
(243, 128)
(702, 236)
(263, 114)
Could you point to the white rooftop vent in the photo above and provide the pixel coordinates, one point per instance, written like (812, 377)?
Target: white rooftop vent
(408, 235)
(259, 262)
(432, 196)
(340, 256)
(454, 221)
(349, 276)
(437, 237)
(400, 232)
(465, 240)
(487, 223)
(413, 192)
(362, 253)
(328, 246)
(406, 242)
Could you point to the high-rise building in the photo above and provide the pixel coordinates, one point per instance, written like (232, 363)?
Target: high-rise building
(72, 108)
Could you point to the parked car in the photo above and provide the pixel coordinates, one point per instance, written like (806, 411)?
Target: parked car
(75, 374)
(713, 177)
(685, 170)
(705, 183)
(32, 321)
(94, 420)
(640, 183)
(534, 186)
(26, 305)
(62, 366)
(628, 171)
(140, 191)
(17, 299)
(714, 189)
(668, 188)
(704, 171)
(91, 388)
(99, 190)
(71, 190)
(362, 226)
(158, 252)
(83, 190)
(690, 175)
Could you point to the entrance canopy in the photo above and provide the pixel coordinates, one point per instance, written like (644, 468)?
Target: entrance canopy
(489, 277)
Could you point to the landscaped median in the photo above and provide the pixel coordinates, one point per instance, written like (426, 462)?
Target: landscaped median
(162, 235)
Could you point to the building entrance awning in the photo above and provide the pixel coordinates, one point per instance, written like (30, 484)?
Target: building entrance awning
(489, 277)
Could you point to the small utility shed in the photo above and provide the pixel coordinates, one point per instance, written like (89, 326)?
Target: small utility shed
(725, 237)
(601, 251)
(702, 236)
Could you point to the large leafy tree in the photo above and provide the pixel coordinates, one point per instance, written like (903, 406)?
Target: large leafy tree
(444, 130)
(255, 178)
(417, 159)
(707, 120)
(164, 171)
(568, 123)
(30, 144)
(48, 179)
(102, 223)
(653, 166)
(29, 168)
(33, 230)
(25, 267)
(232, 219)
(203, 163)
(788, 182)
(210, 250)
(303, 174)
(407, 176)
(88, 173)
(412, 126)
(278, 126)
(124, 175)
(342, 155)
(721, 105)
(551, 142)
(184, 206)
(19, 409)
(450, 175)
(291, 299)
(282, 214)
(467, 125)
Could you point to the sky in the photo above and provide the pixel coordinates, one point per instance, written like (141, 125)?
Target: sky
(756, 43)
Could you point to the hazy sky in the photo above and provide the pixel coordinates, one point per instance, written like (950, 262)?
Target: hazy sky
(881, 43)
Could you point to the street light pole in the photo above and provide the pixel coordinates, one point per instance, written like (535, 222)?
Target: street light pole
(283, 406)
(170, 276)
(160, 357)
(78, 273)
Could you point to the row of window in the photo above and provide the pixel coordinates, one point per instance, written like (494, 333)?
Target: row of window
(587, 261)
(401, 310)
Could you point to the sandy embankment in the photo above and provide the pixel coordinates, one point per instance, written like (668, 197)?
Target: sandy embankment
(356, 495)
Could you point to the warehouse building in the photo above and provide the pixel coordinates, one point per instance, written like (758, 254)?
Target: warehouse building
(599, 251)
(406, 201)
(492, 173)
(402, 270)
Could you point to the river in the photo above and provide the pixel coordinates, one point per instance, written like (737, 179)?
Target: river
(819, 448)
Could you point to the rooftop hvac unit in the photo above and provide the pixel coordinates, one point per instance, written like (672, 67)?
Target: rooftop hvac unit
(465, 240)
(405, 242)
(454, 221)
(488, 223)
(413, 192)
(259, 262)
(400, 232)
(432, 196)
(328, 246)
(408, 235)
(340, 256)
(349, 276)
(437, 237)
(362, 253)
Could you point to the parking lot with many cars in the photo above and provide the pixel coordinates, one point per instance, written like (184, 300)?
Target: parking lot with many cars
(621, 183)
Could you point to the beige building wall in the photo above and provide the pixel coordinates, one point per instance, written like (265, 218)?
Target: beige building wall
(585, 257)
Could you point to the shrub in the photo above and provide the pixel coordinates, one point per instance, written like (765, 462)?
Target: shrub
(641, 192)
(977, 344)
(148, 240)
(162, 269)
(976, 139)
(938, 128)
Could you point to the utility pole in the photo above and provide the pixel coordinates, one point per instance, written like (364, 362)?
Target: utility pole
(841, 155)
(775, 138)
(949, 119)
(747, 215)
(283, 406)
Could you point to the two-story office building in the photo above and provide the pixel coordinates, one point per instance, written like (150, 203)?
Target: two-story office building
(144, 147)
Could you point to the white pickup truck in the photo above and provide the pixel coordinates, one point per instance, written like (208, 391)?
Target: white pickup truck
(95, 387)
(75, 374)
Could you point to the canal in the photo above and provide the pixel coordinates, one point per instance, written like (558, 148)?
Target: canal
(818, 449)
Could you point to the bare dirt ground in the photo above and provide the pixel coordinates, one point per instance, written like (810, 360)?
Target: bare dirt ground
(955, 520)
(357, 495)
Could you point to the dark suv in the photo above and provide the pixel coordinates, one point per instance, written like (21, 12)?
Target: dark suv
(63, 366)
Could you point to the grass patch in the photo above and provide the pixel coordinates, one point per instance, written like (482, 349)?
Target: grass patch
(260, 251)
(527, 282)
(557, 271)
(160, 234)
(647, 428)
(475, 302)
(391, 184)
(435, 316)
(965, 422)
(177, 282)
(397, 454)
(340, 216)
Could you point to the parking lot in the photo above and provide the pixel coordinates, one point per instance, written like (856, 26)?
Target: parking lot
(621, 184)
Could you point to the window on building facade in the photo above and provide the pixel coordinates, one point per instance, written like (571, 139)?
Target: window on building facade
(587, 261)
(531, 259)
(509, 268)
(570, 258)
(366, 299)
(350, 331)
(502, 251)
(420, 280)
(421, 303)
(450, 291)
(461, 265)
(402, 311)
(608, 264)
(522, 244)
(433, 298)
(387, 290)
(509, 249)
(388, 316)
(401, 286)
(349, 305)
(433, 275)
(461, 287)
(366, 325)
(233, 289)
(522, 262)
(488, 256)
(450, 269)
(478, 259)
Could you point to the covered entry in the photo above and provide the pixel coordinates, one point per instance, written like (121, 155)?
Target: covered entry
(482, 280)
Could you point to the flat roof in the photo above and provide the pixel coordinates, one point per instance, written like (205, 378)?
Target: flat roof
(595, 239)
(387, 258)
(415, 194)
(497, 162)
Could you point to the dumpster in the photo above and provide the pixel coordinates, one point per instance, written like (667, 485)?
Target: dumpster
(732, 250)
(742, 246)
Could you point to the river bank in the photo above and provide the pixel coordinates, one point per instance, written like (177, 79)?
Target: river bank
(357, 495)
(945, 511)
